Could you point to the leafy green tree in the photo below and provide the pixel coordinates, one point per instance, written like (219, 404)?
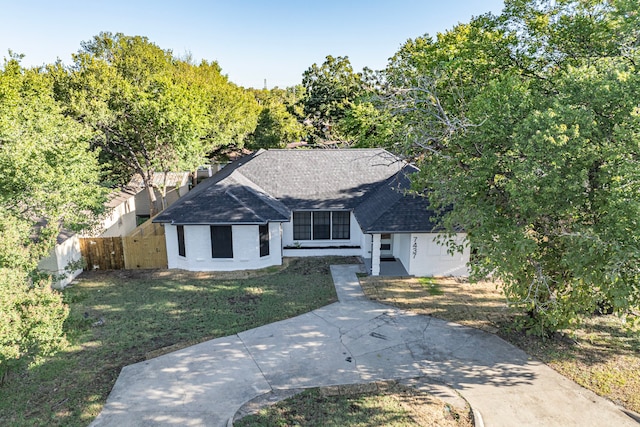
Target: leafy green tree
(280, 118)
(331, 90)
(48, 180)
(149, 111)
(525, 126)
(226, 114)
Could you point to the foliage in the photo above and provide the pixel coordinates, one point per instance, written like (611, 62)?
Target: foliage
(331, 90)
(525, 126)
(279, 121)
(48, 180)
(149, 111)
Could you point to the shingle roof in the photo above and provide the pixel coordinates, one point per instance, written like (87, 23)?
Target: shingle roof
(225, 198)
(321, 179)
(269, 184)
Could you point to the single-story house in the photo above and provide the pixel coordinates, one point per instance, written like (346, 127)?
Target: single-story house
(276, 203)
(176, 183)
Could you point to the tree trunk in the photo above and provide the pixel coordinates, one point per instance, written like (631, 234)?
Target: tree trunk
(152, 198)
(164, 190)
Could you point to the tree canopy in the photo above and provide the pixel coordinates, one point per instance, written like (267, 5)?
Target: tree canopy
(48, 180)
(280, 119)
(331, 90)
(525, 126)
(150, 112)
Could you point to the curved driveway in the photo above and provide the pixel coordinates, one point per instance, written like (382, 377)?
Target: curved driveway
(352, 341)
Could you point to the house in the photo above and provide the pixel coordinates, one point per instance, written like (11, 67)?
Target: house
(176, 184)
(277, 203)
(120, 214)
(64, 260)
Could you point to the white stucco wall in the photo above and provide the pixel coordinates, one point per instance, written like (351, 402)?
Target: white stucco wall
(367, 245)
(246, 249)
(428, 258)
(120, 221)
(121, 226)
(351, 247)
(402, 249)
(60, 257)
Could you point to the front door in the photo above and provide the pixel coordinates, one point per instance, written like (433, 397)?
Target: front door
(386, 246)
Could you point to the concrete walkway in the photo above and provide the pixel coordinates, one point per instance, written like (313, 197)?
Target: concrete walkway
(353, 341)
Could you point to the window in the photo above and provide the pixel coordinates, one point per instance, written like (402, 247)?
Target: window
(302, 226)
(221, 241)
(322, 225)
(181, 248)
(263, 230)
(341, 226)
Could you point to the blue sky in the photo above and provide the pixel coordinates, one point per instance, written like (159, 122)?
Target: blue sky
(251, 40)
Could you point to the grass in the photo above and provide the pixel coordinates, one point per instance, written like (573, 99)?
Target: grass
(122, 317)
(390, 404)
(603, 355)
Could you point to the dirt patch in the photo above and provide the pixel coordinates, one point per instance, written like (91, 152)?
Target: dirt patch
(376, 403)
(479, 305)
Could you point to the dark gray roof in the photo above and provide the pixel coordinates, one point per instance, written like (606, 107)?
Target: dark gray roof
(321, 179)
(269, 184)
(225, 198)
(410, 213)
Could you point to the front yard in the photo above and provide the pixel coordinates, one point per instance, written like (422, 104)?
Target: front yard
(603, 355)
(123, 317)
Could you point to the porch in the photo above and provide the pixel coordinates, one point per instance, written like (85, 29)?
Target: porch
(388, 267)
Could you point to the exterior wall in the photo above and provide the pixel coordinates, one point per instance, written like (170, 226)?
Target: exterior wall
(428, 258)
(402, 249)
(121, 220)
(63, 254)
(322, 252)
(352, 247)
(246, 249)
(367, 245)
(142, 199)
(183, 190)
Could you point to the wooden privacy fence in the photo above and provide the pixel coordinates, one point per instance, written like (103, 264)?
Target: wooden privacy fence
(103, 253)
(143, 248)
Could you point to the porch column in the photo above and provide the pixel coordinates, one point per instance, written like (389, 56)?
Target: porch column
(375, 255)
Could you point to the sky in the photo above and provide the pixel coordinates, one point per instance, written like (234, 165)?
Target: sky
(252, 40)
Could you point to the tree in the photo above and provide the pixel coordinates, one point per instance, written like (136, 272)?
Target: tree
(279, 121)
(525, 126)
(331, 90)
(149, 111)
(48, 180)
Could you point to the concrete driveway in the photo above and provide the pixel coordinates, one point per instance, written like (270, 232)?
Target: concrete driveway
(352, 341)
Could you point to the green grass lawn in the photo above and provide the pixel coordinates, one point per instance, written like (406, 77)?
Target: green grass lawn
(392, 405)
(122, 317)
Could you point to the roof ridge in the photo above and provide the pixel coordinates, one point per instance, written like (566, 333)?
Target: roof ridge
(398, 191)
(229, 191)
(260, 192)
